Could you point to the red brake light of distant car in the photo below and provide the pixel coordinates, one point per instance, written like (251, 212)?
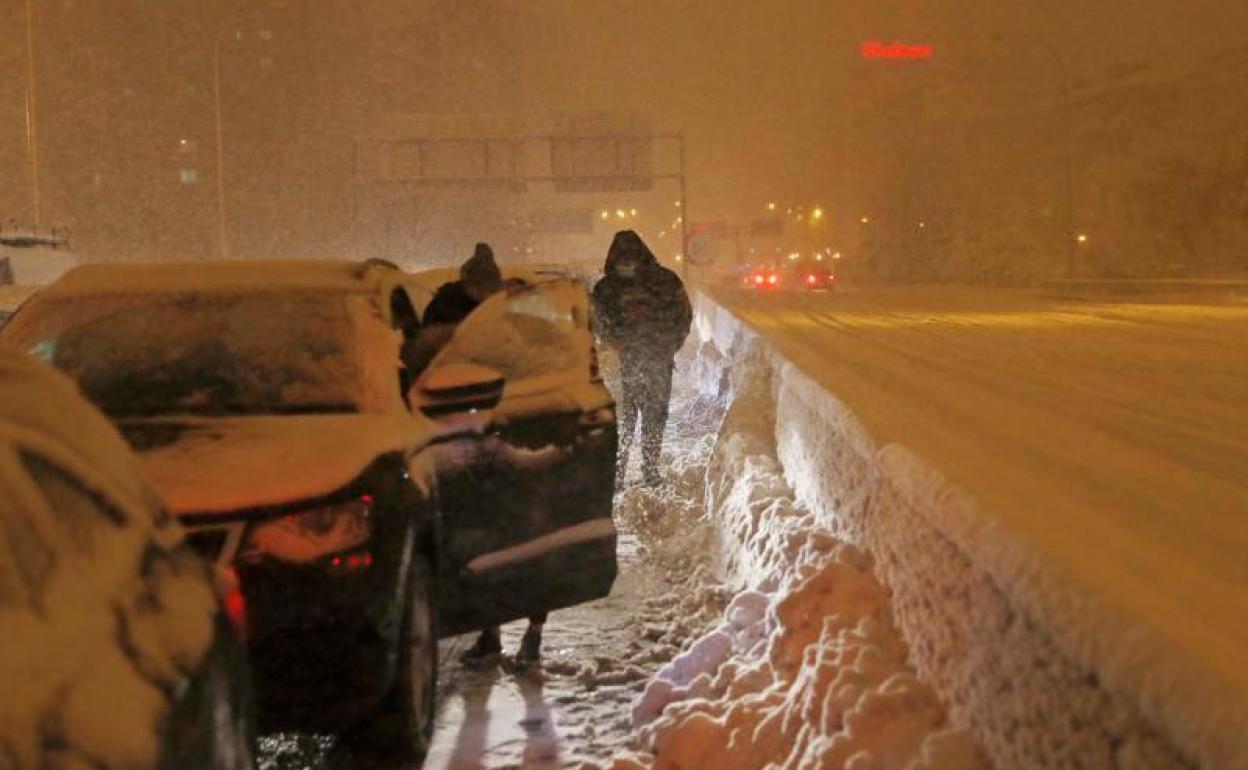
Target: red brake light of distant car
(307, 536)
(773, 279)
(811, 279)
(758, 279)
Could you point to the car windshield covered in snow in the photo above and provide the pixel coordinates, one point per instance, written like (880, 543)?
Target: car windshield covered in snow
(206, 353)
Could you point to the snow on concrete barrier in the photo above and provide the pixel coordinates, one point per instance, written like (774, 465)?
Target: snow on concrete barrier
(807, 669)
(1003, 672)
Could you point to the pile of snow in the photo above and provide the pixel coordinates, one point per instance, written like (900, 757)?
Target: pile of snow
(806, 669)
(1041, 670)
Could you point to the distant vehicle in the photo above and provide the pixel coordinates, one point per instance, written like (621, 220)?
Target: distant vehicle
(815, 278)
(33, 258)
(267, 401)
(761, 278)
(116, 653)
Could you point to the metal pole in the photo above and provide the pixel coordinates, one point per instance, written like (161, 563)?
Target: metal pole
(684, 210)
(1068, 182)
(222, 248)
(32, 146)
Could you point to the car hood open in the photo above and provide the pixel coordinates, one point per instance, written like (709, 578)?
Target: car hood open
(219, 465)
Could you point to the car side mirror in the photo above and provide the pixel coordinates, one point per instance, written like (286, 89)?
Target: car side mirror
(455, 388)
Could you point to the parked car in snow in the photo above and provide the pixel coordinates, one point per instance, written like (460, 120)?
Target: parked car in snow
(266, 399)
(115, 651)
(33, 258)
(530, 494)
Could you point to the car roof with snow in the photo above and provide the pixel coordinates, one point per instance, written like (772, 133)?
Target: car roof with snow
(227, 275)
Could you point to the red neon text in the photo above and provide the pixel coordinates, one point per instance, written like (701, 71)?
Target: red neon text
(878, 50)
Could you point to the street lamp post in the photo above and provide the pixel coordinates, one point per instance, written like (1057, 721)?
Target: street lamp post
(32, 145)
(222, 242)
(1068, 181)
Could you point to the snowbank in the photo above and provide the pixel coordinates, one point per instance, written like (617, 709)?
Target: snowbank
(1041, 673)
(806, 669)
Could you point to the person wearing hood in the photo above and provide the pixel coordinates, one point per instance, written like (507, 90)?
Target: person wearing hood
(479, 277)
(641, 311)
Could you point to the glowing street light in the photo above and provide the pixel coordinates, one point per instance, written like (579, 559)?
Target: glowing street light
(621, 213)
(817, 213)
(1081, 238)
(864, 219)
(771, 207)
(632, 212)
(606, 215)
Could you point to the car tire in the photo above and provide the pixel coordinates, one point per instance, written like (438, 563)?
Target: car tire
(402, 727)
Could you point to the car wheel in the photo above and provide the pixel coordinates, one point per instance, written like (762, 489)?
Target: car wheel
(402, 727)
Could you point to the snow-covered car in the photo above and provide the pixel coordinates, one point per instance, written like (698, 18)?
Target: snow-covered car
(531, 495)
(115, 651)
(268, 402)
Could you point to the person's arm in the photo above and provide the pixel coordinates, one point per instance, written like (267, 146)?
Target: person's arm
(678, 318)
(605, 323)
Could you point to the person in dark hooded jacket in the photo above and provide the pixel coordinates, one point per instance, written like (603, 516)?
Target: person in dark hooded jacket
(642, 311)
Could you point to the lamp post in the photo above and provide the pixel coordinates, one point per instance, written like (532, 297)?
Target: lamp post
(1068, 180)
(32, 145)
(222, 237)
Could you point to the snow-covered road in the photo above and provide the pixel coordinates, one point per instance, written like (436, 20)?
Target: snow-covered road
(1104, 441)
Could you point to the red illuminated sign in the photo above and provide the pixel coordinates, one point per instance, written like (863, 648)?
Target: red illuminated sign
(877, 50)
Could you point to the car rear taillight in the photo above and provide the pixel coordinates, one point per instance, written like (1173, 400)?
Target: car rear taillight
(812, 279)
(233, 603)
(326, 532)
(758, 279)
(773, 279)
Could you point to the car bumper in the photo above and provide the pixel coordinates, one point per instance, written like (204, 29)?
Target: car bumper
(321, 645)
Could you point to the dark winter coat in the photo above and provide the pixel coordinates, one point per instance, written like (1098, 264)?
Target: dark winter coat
(648, 314)
(450, 305)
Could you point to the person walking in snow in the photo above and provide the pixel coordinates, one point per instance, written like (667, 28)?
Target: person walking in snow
(643, 313)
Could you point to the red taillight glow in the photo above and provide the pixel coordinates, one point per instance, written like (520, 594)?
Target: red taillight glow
(758, 279)
(352, 562)
(233, 603)
(773, 279)
(811, 279)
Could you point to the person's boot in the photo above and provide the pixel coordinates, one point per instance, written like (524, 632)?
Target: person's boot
(651, 477)
(621, 470)
(487, 646)
(530, 651)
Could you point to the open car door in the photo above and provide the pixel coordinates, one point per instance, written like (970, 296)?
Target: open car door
(526, 496)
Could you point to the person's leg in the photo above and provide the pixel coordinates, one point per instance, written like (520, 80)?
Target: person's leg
(488, 643)
(654, 413)
(628, 412)
(531, 643)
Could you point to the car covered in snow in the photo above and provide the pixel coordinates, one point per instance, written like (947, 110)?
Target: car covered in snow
(115, 650)
(356, 502)
(531, 495)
